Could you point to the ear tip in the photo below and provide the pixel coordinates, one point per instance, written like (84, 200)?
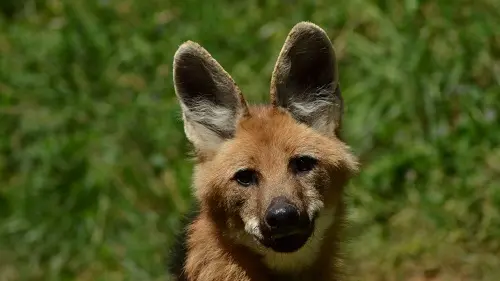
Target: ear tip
(307, 26)
(188, 48)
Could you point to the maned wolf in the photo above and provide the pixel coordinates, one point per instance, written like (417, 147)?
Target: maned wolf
(268, 179)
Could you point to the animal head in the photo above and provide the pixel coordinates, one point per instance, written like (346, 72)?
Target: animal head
(267, 172)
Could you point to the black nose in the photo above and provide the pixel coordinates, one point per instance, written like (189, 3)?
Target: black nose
(282, 217)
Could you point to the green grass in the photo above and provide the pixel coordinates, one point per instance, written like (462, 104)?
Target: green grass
(93, 166)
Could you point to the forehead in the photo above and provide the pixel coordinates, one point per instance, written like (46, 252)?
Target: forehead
(268, 137)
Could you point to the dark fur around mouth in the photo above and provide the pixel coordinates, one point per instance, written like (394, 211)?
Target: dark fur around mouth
(289, 243)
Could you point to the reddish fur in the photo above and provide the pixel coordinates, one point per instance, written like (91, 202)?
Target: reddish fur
(213, 257)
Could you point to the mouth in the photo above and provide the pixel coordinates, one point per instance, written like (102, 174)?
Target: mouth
(287, 243)
(283, 228)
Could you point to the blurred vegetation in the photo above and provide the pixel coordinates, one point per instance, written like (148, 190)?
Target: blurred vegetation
(93, 166)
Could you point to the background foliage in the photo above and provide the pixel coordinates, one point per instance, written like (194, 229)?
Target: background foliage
(93, 169)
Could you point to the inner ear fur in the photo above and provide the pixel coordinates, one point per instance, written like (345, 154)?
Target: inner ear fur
(211, 101)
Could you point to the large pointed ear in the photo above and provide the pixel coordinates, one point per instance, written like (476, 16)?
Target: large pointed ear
(210, 100)
(305, 79)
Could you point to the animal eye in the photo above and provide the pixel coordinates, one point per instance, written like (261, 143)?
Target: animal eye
(303, 164)
(246, 177)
